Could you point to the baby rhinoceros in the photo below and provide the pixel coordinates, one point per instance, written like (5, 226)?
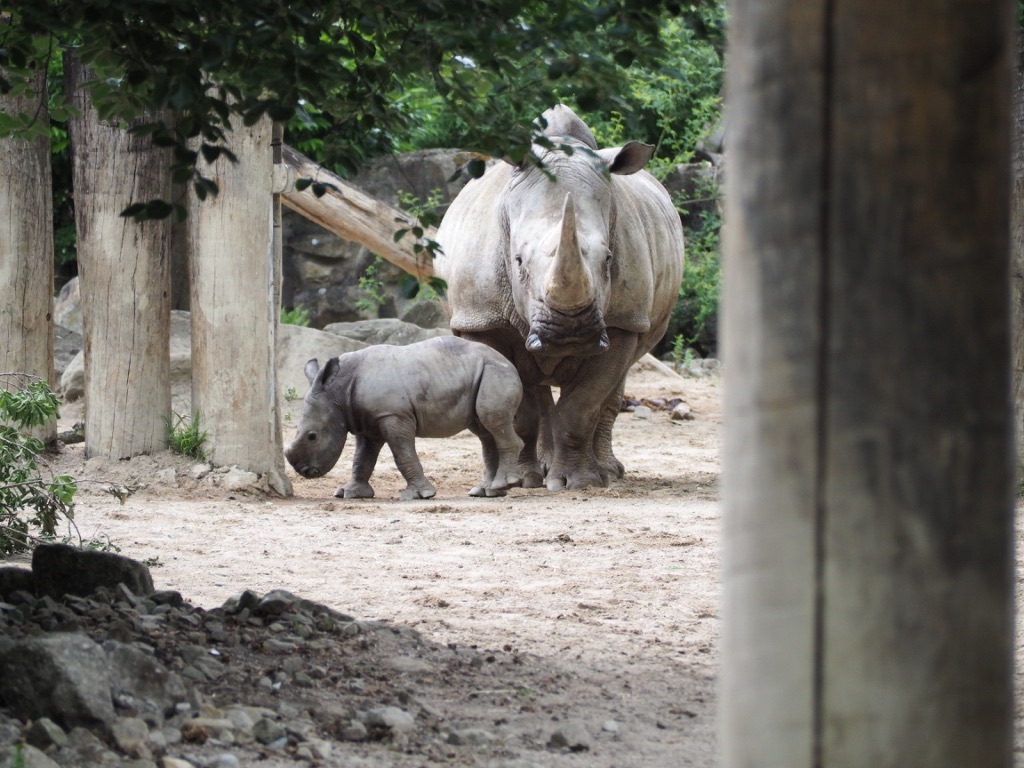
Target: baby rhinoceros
(391, 394)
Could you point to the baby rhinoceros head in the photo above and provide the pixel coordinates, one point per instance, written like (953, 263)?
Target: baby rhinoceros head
(321, 434)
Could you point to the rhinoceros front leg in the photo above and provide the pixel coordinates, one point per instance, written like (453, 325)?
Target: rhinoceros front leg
(363, 463)
(400, 435)
(603, 434)
(582, 419)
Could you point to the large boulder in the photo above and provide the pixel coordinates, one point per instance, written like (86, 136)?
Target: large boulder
(385, 331)
(322, 271)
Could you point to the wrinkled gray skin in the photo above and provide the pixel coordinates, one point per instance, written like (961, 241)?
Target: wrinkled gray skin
(573, 280)
(390, 394)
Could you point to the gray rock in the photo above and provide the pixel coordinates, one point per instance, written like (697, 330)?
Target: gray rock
(141, 683)
(26, 756)
(72, 379)
(130, 734)
(61, 570)
(224, 760)
(572, 735)
(268, 731)
(354, 731)
(67, 307)
(296, 346)
(642, 412)
(15, 579)
(682, 412)
(385, 331)
(62, 676)
(66, 344)
(236, 479)
(698, 184)
(427, 314)
(10, 730)
(610, 726)
(410, 665)
(322, 270)
(199, 471)
(168, 477)
(44, 733)
(473, 737)
(395, 719)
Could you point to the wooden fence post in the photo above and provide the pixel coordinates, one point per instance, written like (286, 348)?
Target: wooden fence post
(125, 281)
(235, 274)
(867, 460)
(26, 249)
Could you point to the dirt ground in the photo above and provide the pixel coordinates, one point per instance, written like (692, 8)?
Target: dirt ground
(610, 595)
(615, 590)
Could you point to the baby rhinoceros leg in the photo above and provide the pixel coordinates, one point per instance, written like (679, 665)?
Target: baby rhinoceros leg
(401, 438)
(363, 463)
(496, 403)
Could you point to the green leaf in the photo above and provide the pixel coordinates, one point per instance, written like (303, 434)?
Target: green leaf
(475, 168)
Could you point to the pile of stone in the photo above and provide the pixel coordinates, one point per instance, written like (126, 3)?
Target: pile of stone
(98, 668)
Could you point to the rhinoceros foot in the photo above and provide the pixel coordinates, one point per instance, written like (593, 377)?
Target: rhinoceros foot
(354, 490)
(423, 491)
(498, 485)
(481, 491)
(576, 478)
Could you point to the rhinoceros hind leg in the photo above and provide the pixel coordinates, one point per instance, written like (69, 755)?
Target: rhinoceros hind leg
(354, 490)
(577, 478)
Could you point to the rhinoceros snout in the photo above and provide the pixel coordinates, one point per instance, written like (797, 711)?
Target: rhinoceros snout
(302, 465)
(568, 346)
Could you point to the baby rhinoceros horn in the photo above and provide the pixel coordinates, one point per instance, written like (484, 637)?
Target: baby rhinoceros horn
(568, 287)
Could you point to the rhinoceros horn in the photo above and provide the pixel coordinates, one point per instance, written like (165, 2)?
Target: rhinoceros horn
(567, 287)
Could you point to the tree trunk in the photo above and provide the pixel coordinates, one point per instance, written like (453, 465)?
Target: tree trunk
(235, 283)
(26, 248)
(867, 460)
(1017, 250)
(125, 282)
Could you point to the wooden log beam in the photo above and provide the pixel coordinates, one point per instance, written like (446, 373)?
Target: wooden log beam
(350, 213)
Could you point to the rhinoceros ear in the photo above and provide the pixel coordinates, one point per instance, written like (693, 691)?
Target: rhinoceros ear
(311, 370)
(327, 372)
(627, 159)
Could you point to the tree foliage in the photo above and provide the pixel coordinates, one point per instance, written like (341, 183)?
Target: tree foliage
(30, 505)
(186, 67)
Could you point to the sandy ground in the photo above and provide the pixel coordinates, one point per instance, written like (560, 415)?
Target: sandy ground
(618, 587)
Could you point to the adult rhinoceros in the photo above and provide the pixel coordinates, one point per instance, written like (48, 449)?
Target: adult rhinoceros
(571, 271)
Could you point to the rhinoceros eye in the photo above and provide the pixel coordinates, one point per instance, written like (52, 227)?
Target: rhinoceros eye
(311, 436)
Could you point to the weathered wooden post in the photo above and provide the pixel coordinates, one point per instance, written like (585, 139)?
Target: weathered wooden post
(1017, 248)
(26, 247)
(868, 425)
(125, 281)
(235, 274)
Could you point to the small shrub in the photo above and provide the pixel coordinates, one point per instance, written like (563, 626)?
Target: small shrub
(30, 506)
(295, 316)
(696, 309)
(374, 295)
(186, 437)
